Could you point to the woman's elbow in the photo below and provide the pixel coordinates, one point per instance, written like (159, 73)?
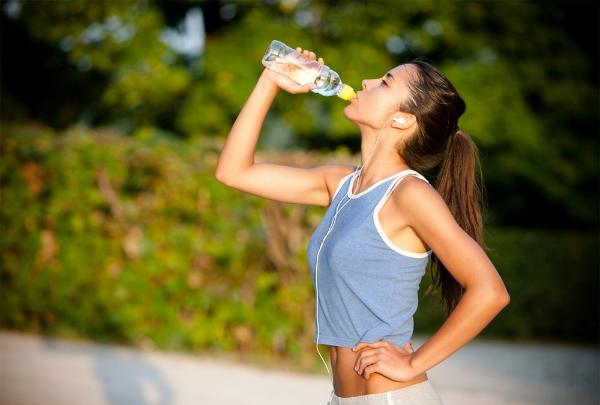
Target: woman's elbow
(501, 296)
(504, 299)
(496, 296)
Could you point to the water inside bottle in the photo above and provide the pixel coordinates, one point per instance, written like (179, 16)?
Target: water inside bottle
(296, 67)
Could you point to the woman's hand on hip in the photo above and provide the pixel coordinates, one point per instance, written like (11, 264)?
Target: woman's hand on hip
(385, 358)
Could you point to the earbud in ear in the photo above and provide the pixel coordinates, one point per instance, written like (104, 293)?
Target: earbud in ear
(400, 120)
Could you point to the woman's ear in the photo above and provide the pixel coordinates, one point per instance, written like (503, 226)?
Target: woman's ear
(403, 121)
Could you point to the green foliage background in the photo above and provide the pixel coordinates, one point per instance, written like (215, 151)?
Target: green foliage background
(114, 228)
(528, 72)
(133, 240)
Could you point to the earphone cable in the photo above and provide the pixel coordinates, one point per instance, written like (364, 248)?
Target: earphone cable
(337, 210)
(360, 169)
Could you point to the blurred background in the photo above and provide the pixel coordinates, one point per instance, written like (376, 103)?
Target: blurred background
(113, 115)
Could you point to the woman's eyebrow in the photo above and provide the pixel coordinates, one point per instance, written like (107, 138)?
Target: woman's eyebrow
(388, 74)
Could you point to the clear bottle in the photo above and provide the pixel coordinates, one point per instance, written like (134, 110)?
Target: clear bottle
(288, 61)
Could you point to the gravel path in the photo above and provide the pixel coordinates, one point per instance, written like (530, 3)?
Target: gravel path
(38, 370)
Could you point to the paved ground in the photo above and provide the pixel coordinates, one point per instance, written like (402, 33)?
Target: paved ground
(36, 370)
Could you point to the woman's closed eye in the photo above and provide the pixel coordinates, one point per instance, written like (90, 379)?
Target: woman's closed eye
(384, 83)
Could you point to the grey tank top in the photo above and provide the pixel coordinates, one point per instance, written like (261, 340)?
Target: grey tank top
(366, 287)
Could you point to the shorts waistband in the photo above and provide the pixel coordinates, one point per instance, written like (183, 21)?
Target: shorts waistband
(421, 388)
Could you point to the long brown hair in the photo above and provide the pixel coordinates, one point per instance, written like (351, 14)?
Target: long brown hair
(441, 150)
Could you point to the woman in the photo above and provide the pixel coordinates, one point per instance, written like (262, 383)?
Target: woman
(383, 224)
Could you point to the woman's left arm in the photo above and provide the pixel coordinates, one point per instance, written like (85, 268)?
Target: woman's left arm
(485, 293)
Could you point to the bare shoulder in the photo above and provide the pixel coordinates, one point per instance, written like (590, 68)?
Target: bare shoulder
(412, 186)
(427, 213)
(416, 197)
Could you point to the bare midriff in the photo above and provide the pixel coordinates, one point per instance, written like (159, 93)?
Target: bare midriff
(348, 383)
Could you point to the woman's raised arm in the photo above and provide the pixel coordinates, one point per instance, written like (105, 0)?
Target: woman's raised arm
(236, 167)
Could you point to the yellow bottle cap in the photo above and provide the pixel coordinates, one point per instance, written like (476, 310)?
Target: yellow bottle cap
(346, 93)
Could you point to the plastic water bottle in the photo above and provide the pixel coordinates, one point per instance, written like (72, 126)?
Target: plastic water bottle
(288, 61)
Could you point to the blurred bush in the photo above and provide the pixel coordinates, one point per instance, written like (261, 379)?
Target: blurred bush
(131, 239)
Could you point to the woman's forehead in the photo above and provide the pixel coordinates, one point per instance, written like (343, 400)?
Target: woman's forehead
(402, 73)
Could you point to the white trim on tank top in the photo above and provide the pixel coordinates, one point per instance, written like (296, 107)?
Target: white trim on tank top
(378, 226)
(350, 194)
(340, 184)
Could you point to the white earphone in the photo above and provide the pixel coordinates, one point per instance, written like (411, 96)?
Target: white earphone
(401, 120)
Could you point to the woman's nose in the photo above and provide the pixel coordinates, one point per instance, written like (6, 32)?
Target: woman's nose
(364, 84)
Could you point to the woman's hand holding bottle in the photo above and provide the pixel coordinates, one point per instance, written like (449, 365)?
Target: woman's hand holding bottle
(285, 83)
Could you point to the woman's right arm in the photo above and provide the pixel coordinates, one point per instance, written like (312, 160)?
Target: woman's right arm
(236, 167)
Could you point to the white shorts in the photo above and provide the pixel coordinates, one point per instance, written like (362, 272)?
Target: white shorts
(422, 393)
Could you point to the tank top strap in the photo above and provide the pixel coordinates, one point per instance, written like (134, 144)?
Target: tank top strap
(342, 187)
(397, 181)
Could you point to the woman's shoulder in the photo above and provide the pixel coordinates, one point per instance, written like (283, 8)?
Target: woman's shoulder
(412, 189)
(419, 201)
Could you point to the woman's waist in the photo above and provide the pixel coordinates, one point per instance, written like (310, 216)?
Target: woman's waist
(348, 383)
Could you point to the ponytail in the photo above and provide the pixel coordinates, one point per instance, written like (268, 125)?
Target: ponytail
(439, 145)
(460, 183)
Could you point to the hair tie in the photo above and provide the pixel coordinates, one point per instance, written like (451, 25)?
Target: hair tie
(453, 136)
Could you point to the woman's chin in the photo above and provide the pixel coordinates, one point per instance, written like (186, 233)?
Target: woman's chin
(346, 114)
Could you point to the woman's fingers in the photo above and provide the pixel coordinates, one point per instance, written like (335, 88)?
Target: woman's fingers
(309, 54)
(364, 362)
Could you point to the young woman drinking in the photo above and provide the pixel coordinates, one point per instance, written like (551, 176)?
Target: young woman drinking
(384, 224)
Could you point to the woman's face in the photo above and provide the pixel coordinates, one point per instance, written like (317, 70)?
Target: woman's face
(380, 97)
